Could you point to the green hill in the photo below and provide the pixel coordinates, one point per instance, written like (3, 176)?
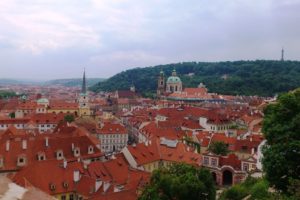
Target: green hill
(260, 77)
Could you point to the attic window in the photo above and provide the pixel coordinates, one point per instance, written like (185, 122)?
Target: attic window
(59, 155)
(41, 156)
(65, 184)
(77, 152)
(52, 187)
(21, 161)
(91, 150)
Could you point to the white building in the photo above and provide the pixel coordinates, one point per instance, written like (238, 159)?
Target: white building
(113, 137)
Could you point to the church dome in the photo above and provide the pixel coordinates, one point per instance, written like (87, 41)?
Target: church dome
(43, 100)
(173, 79)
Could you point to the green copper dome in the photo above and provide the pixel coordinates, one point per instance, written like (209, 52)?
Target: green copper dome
(43, 100)
(173, 79)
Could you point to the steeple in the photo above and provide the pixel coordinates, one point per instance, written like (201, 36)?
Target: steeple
(83, 89)
(282, 54)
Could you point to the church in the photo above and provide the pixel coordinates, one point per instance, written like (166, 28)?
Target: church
(173, 84)
(173, 89)
(83, 100)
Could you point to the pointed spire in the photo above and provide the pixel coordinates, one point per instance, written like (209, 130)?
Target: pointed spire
(282, 54)
(83, 89)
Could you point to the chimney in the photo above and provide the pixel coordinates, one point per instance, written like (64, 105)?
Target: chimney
(73, 146)
(46, 141)
(76, 176)
(7, 145)
(24, 144)
(252, 151)
(65, 163)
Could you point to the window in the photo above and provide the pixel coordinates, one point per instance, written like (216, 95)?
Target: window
(214, 162)
(71, 197)
(206, 161)
(246, 167)
(63, 197)
(59, 155)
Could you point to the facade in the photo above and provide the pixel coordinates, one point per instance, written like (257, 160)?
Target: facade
(112, 137)
(226, 170)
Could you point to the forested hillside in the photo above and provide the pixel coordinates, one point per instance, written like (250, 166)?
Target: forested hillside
(261, 77)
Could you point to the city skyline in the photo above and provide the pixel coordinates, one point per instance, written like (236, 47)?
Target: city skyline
(45, 40)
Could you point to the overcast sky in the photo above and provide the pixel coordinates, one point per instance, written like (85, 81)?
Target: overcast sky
(46, 39)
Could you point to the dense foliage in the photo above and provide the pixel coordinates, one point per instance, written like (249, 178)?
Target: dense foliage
(265, 78)
(254, 188)
(281, 128)
(69, 118)
(179, 182)
(6, 94)
(219, 148)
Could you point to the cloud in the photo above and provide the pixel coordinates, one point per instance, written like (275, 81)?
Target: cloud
(123, 34)
(38, 28)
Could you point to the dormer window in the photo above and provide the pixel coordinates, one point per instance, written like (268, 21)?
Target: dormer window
(76, 152)
(91, 150)
(214, 162)
(52, 186)
(59, 155)
(206, 161)
(65, 184)
(41, 156)
(21, 161)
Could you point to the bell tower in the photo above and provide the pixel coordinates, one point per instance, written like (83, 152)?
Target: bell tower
(84, 107)
(161, 84)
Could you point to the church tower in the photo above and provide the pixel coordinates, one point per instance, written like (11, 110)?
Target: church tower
(84, 107)
(161, 84)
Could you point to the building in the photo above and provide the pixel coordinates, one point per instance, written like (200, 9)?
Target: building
(226, 170)
(174, 83)
(158, 153)
(113, 137)
(84, 107)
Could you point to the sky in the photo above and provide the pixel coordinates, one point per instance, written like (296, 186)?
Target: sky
(51, 39)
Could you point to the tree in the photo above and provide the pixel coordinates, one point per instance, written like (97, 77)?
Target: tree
(12, 115)
(180, 181)
(281, 128)
(219, 148)
(69, 118)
